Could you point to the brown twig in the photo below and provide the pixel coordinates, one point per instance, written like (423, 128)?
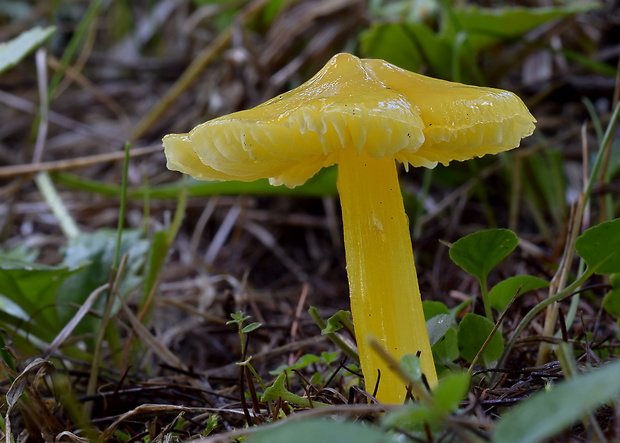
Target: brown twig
(59, 165)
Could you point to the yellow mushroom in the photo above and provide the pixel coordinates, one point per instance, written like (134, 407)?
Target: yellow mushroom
(362, 114)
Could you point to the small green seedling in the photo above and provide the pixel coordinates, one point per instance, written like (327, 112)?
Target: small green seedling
(480, 252)
(278, 391)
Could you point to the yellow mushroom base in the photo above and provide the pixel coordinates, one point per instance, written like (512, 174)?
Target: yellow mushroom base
(385, 297)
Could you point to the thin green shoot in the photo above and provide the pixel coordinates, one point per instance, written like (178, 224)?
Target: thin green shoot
(484, 291)
(146, 203)
(324, 183)
(603, 174)
(527, 319)
(596, 121)
(333, 337)
(578, 214)
(115, 280)
(605, 145)
(123, 206)
(84, 27)
(179, 213)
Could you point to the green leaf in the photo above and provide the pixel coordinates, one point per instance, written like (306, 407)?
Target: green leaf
(412, 43)
(446, 398)
(20, 252)
(446, 350)
(16, 49)
(278, 390)
(409, 46)
(238, 318)
(433, 308)
(611, 302)
(473, 332)
(251, 327)
(392, 10)
(547, 413)
(503, 292)
(95, 252)
(330, 357)
(487, 27)
(337, 322)
(313, 430)
(412, 418)
(411, 365)
(599, 246)
(5, 355)
(480, 252)
(438, 326)
(23, 332)
(455, 311)
(29, 291)
(303, 362)
(449, 393)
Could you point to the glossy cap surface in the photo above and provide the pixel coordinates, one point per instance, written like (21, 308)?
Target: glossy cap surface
(363, 104)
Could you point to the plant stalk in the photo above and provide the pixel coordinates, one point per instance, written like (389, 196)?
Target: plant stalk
(385, 298)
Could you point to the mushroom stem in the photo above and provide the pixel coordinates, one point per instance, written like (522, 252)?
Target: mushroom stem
(385, 298)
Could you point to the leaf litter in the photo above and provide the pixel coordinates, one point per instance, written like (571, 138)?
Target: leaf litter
(166, 68)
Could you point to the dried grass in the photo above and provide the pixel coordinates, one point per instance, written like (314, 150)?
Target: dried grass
(177, 66)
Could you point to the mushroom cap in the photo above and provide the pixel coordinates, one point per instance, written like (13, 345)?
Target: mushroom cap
(364, 104)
